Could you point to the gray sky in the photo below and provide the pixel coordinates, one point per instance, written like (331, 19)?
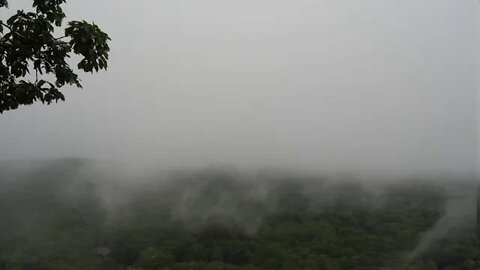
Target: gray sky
(384, 85)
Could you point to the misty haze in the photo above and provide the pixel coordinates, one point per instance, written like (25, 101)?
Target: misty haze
(239, 135)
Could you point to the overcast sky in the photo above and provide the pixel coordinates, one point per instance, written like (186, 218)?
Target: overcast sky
(387, 85)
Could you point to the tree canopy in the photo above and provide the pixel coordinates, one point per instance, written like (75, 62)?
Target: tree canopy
(213, 220)
(33, 61)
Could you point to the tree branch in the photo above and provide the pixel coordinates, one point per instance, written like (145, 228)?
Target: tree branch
(55, 39)
(11, 30)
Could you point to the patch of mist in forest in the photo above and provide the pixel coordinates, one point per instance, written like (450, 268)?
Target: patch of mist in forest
(459, 219)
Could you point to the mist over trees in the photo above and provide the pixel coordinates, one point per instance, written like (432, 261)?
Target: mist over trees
(363, 110)
(59, 215)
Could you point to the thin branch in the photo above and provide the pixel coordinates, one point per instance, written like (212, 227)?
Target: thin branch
(6, 25)
(55, 39)
(11, 30)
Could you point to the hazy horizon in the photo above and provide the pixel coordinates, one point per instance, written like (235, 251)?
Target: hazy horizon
(376, 86)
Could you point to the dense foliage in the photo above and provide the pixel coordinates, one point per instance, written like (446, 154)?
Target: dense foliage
(33, 62)
(56, 218)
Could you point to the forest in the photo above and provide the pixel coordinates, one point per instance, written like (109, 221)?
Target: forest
(54, 216)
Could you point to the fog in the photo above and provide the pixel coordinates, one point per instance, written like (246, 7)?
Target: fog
(75, 206)
(350, 122)
(383, 86)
